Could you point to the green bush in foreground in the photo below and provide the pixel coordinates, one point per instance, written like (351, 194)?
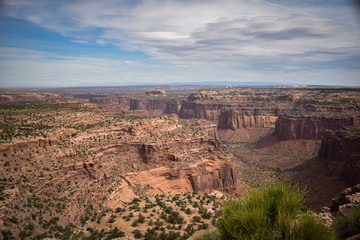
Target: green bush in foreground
(212, 234)
(271, 212)
(348, 225)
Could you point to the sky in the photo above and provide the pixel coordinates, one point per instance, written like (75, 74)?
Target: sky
(71, 43)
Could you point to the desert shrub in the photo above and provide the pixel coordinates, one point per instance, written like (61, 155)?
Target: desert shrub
(112, 219)
(309, 227)
(115, 233)
(141, 219)
(203, 226)
(271, 212)
(196, 218)
(137, 234)
(150, 234)
(209, 235)
(134, 223)
(348, 225)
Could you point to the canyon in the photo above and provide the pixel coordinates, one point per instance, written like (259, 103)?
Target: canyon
(64, 152)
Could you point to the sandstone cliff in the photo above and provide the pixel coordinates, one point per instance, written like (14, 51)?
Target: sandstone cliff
(204, 176)
(122, 102)
(155, 106)
(341, 151)
(209, 111)
(232, 119)
(311, 127)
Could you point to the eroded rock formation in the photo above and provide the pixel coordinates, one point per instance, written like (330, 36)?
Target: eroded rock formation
(204, 176)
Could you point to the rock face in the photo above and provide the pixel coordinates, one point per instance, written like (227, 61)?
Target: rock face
(311, 127)
(155, 106)
(341, 151)
(232, 119)
(172, 106)
(122, 102)
(34, 143)
(205, 176)
(209, 111)
(40, 142)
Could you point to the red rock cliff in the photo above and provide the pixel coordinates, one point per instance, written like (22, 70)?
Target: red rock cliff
(210, 111)
(287, 128)
(341, 151)
(232, 119)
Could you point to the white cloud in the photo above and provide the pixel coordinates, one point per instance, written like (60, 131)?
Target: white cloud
(232, 34)
(101, 42)
(79, 41)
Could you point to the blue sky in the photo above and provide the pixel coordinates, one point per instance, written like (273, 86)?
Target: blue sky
(90, 42)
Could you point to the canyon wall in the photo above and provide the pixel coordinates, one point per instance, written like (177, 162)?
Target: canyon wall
(232, 119)
(193, 109)
(156, 106)
(311, 127)
(341, 152)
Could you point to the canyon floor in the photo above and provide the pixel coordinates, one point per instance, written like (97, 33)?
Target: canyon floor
(261, 157)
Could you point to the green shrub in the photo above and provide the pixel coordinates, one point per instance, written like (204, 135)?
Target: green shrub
(209, 235)
(196, 218)
(271, 212)
(137, 234)
(309, 227)
(348, 225)
(116, 233)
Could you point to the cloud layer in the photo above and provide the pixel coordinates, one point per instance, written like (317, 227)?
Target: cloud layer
(240, 36)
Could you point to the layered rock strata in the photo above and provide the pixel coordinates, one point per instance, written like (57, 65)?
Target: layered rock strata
(231, 119)
(204, 176)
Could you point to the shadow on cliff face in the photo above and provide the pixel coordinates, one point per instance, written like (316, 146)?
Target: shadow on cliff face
(313, 176)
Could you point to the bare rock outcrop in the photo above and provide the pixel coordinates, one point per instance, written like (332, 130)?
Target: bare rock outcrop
(341, 151)
(348, 199)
